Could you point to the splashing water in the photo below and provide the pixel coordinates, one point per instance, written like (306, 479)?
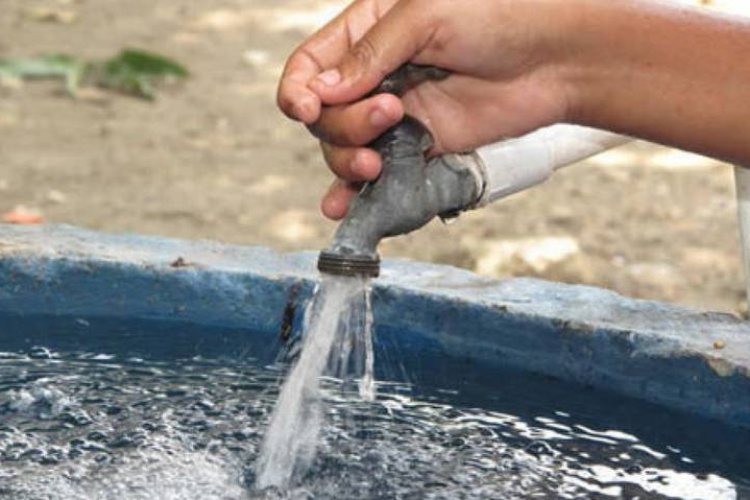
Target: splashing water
(127, 419)
(337, 342)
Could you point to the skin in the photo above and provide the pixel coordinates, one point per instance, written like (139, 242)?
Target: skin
(675, 75)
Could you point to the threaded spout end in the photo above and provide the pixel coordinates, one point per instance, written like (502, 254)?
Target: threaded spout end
(349, 265)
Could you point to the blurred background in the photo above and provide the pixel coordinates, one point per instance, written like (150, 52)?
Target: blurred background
(212, 158)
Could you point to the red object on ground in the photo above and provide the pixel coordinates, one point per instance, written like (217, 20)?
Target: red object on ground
(22, 217)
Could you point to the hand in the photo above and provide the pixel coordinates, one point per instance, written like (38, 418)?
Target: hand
(506, 78)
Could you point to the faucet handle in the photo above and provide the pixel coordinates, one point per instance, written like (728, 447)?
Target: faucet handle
(409, 76)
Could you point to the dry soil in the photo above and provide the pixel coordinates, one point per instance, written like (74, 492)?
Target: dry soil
(212, 158)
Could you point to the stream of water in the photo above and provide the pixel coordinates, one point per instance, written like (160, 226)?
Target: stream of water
(337, 342)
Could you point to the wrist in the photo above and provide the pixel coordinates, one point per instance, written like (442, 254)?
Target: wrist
(567, 54)
(583, 55)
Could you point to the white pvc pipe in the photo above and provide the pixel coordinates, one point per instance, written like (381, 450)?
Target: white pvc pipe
(513, 165)
(742, 181)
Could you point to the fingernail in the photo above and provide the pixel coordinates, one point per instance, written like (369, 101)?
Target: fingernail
(379, 119)
(330, 77)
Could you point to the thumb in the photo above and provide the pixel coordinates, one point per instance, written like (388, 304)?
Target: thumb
(392, 41)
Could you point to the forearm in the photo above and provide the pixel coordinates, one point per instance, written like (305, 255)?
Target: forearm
(672, 75)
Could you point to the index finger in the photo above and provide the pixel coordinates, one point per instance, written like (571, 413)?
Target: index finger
(293, 97)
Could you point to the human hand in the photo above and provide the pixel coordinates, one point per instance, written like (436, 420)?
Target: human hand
(518, 65)
(507, 78)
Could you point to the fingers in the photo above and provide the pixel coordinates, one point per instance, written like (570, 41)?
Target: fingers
(352, 164)
(400, 34)
(309, 85)
(359, 123)
(321, 51)
(351, 127)
(294, 97)
(344, 129)
(335, 203)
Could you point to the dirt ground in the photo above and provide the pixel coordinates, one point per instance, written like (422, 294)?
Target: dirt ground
(214, 159)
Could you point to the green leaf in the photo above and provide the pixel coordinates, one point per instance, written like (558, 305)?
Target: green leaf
(67, 68)
(148, 63)
(134, 71)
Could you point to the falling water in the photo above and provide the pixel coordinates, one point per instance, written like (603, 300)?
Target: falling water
(337, 342)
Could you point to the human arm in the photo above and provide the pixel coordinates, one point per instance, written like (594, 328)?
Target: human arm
(675, 75)
(658, 71)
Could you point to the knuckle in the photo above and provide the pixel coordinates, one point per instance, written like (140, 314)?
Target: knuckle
(364, 53)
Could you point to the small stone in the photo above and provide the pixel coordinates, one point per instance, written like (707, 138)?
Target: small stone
(179, 262)
(619, 261)
(56, 196)
(255, 57)
(49, 15)
(22, 215)
(10, 82)
(93, 95)
(719, 344)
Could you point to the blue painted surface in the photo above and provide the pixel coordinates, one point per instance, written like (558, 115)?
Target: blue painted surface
(649, 350)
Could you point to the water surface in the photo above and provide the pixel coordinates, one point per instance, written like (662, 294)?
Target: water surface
(96, 408)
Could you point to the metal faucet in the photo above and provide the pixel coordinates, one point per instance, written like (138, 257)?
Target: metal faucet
(409, 192)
